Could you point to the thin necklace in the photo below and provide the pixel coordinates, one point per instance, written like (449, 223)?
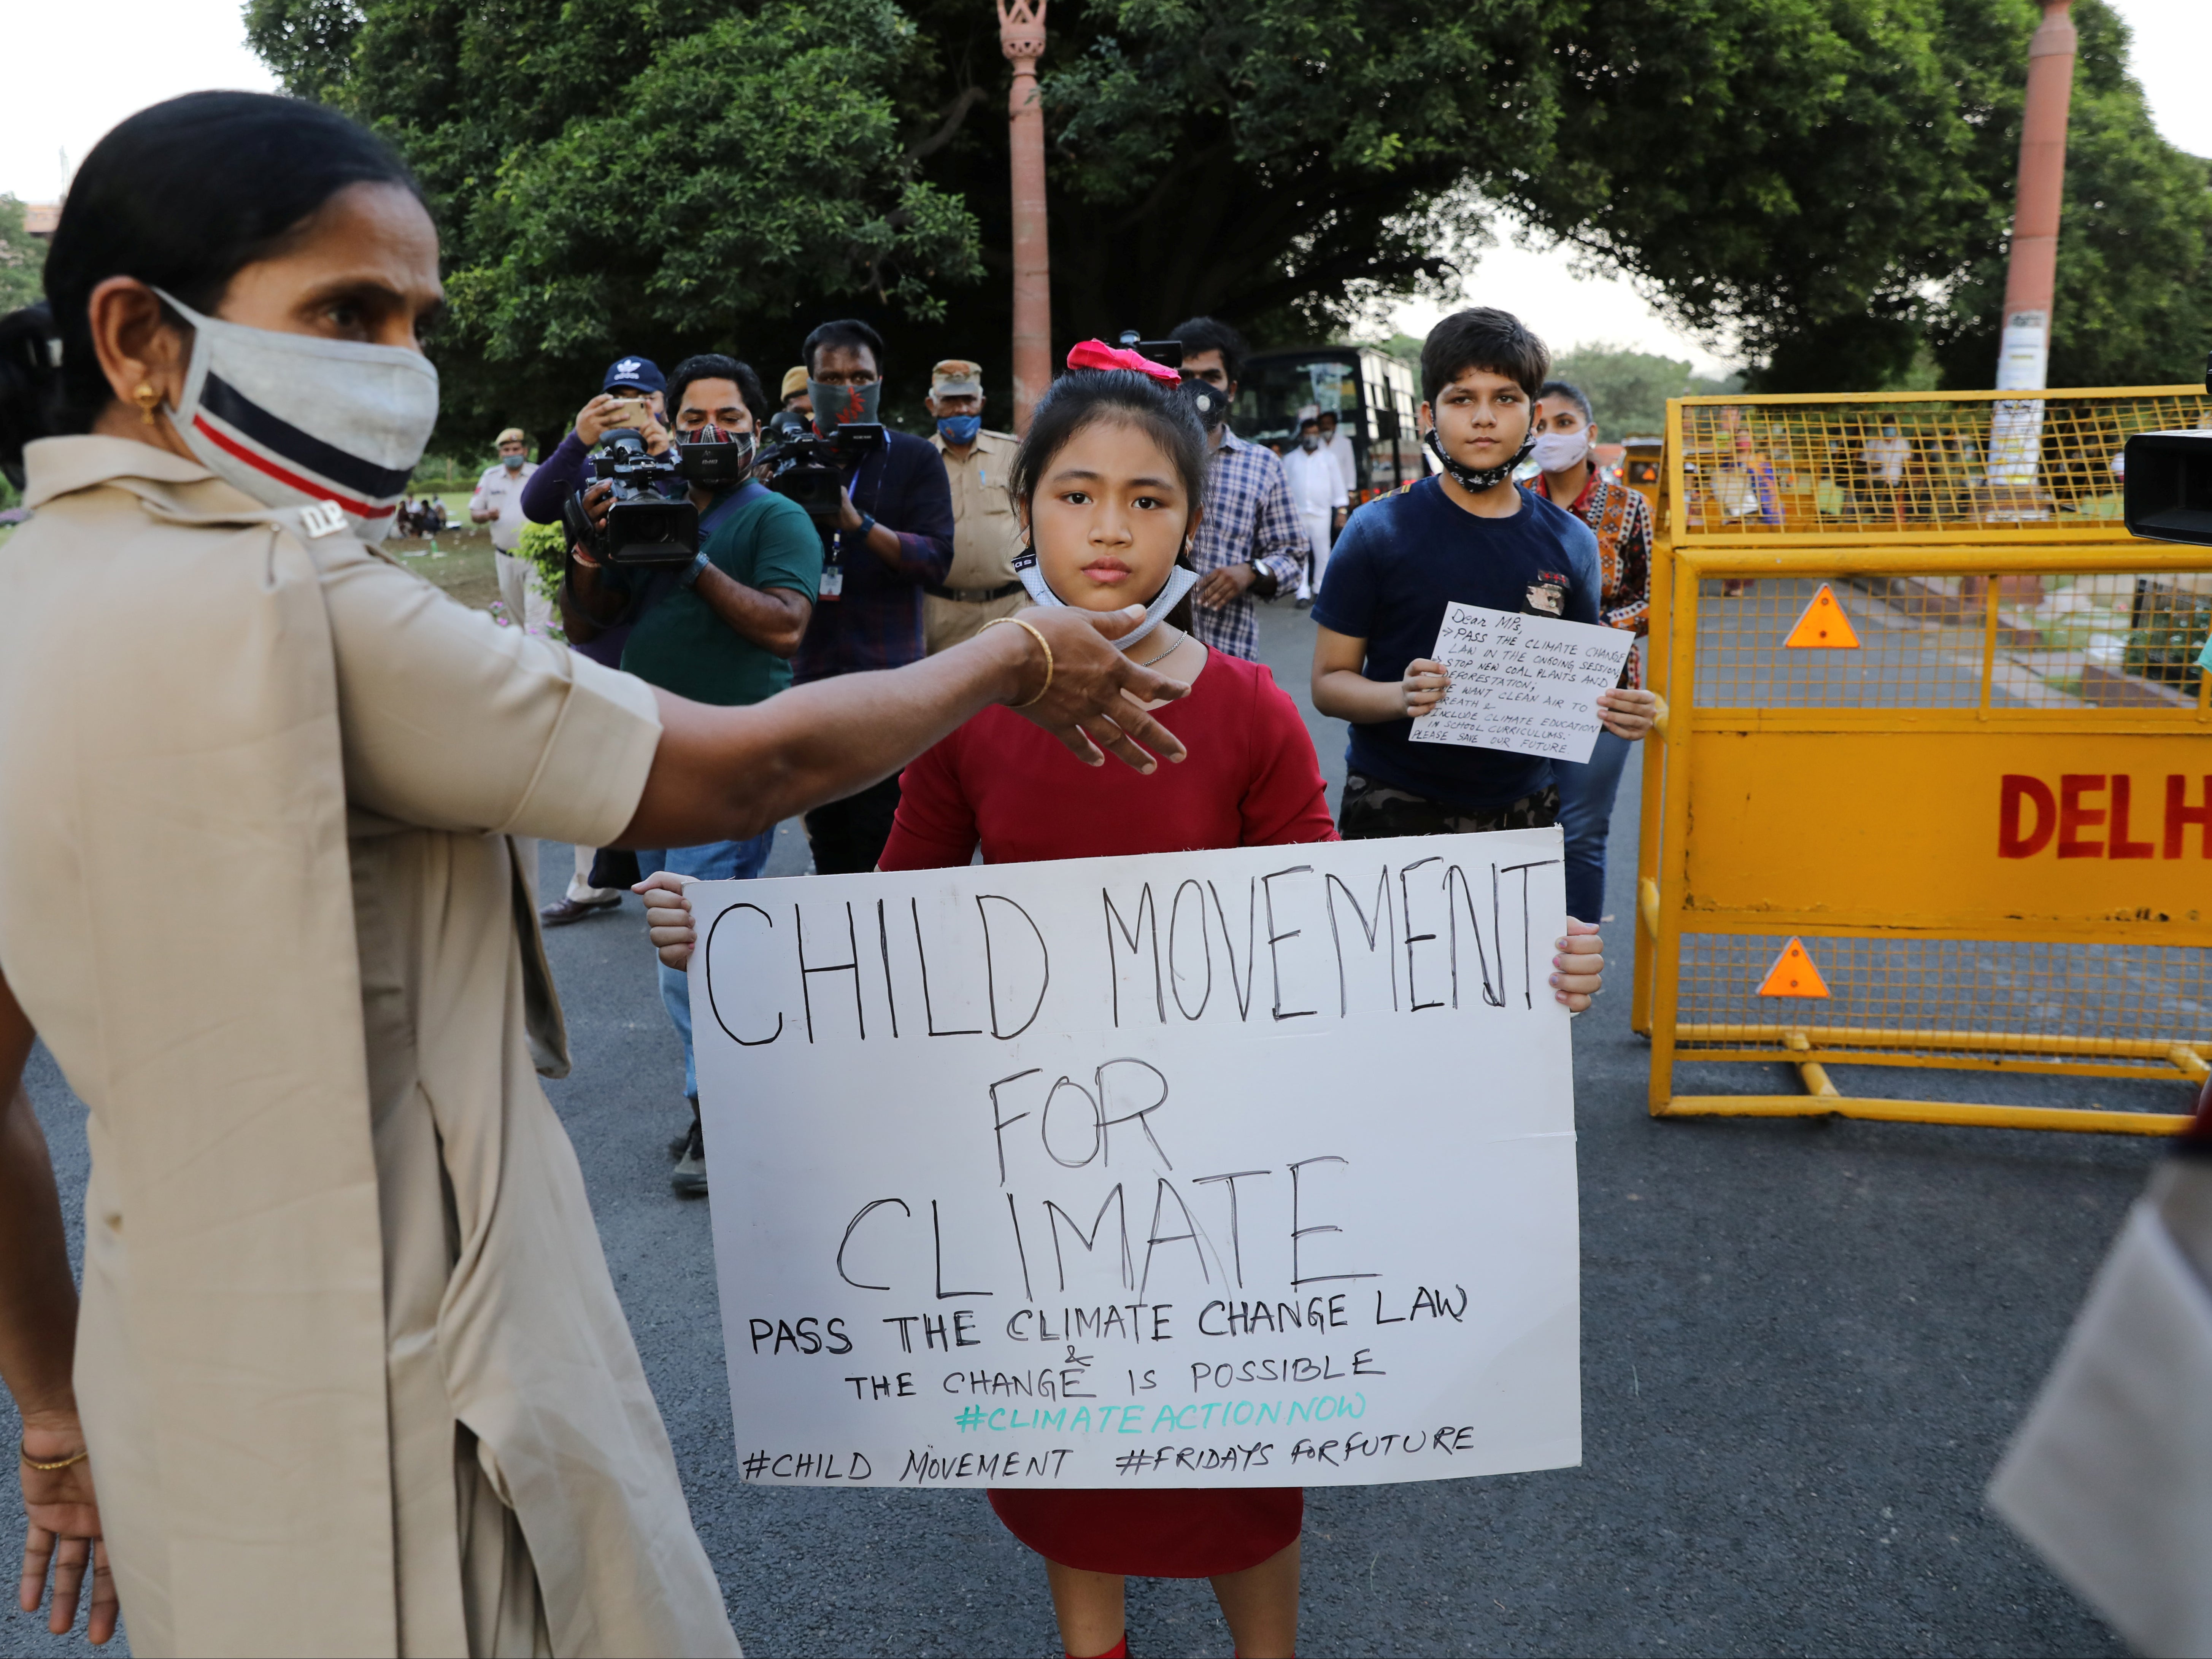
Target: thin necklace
(1180, 637)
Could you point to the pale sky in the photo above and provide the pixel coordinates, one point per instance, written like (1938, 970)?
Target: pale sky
(64, 94)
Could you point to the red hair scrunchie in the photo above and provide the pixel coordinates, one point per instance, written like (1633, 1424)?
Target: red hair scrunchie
(1097, 354)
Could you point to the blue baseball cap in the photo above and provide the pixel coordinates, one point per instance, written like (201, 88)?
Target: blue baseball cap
(634, 374)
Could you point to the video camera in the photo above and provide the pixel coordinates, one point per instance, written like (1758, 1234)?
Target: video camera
(643, 526)
(804, 466)
(1211, 407)
(2166, 496)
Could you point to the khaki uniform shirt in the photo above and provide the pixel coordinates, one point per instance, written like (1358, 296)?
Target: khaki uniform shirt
(986, 536)
(351, 1367)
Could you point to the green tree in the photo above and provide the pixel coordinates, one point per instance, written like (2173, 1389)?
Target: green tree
(2133, 305)
(23, 258)
(1825, 184)
(612, 178)
(1628, 390)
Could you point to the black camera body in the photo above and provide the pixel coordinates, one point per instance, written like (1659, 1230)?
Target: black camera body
(803, 467)
(2166, 496)
(643, 526)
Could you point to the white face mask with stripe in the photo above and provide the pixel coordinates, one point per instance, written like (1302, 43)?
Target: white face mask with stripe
(294, 421)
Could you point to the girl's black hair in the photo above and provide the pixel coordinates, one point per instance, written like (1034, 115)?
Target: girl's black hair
(1086, 397)
(182, 196)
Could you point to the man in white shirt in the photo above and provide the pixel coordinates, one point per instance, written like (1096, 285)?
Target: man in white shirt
(1317, 491)
(498, 502)
(1337, 445)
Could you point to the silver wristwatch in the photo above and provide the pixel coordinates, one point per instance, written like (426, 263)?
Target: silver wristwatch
(692, 572)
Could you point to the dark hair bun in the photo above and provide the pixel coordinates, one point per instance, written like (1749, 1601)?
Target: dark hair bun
(27, 380)
(180, 195)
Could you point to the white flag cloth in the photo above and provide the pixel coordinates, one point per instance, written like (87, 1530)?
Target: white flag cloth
(2111, 1477)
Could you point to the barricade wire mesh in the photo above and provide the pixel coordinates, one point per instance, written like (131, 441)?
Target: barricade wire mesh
(1859, 467)
(1884, 991)
(2089, 639)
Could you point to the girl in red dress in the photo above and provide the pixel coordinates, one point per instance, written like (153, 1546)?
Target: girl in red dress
(1108, 484)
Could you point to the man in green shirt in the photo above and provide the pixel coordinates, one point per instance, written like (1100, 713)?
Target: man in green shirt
(720, 630)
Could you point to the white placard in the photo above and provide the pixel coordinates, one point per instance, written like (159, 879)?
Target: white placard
(1252, 1168)
(1523, 684)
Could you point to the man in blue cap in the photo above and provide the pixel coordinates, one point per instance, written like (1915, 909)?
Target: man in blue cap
(561, 475)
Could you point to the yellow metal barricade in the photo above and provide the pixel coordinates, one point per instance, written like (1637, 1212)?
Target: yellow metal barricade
(1935, 784)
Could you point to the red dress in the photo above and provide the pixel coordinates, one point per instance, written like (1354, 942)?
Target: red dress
(1251, 780)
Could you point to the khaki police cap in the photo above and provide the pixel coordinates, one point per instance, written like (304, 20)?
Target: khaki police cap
(956, 377)
(514, 434)
(794, 379)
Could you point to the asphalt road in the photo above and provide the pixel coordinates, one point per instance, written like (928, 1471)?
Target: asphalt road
(1805, 1344)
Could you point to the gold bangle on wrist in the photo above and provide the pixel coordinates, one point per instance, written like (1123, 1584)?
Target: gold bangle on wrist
(1043, 645)
(23, 1451)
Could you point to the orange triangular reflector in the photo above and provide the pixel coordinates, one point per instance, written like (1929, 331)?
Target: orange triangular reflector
(1823, 625)
(1794, 974)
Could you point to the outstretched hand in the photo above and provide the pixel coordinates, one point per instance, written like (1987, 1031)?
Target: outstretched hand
(63, 1535)
(1095, 697)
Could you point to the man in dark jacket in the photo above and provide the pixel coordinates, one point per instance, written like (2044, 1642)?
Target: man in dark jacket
(895, 542)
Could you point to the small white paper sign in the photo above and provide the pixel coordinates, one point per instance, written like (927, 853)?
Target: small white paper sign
(1523, 684)
(1252, 1167)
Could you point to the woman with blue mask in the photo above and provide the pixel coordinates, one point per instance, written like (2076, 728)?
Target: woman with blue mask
(349, 1370)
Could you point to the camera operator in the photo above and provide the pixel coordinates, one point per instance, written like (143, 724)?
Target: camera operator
(720, 630)
(631, 381)
(894, 541)
(629, 378)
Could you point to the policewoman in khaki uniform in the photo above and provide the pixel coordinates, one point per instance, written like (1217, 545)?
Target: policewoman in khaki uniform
(981, 586)
(349, 1373)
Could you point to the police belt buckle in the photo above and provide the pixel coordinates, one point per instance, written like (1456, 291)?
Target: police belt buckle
(974, 595)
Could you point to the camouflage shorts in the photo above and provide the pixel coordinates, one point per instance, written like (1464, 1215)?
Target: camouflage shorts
(1372, 811)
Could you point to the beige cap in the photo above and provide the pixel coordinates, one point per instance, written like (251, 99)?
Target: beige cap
(514, 434)
(956, 377)
(794, 379)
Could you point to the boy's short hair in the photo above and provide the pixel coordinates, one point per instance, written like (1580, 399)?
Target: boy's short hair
(1482, 337)
(1200, 334)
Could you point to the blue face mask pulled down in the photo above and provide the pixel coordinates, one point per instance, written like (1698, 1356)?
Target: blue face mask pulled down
(959, 430)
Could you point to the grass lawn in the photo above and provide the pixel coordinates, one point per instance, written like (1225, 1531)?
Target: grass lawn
(461, 562)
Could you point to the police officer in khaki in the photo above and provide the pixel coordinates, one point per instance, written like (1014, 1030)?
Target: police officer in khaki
(986, 536)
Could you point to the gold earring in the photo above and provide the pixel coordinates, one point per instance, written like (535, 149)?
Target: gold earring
(148, 401)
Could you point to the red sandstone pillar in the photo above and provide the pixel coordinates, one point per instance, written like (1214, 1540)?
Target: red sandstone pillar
(2024, 355)
(1021, 37)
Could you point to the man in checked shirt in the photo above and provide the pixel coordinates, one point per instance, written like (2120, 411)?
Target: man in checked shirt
(1249, 542)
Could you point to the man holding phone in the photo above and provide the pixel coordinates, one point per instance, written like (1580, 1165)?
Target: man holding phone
(631, 397)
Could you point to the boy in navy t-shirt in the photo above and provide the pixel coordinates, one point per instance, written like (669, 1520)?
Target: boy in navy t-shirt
(1468, 534)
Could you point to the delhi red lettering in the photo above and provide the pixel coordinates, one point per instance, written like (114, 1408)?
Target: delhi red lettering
(2096, 815)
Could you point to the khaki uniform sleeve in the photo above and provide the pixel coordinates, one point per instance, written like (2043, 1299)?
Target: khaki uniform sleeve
(452, 722)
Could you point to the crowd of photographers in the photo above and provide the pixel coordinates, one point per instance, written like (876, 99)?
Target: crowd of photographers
(724, 550)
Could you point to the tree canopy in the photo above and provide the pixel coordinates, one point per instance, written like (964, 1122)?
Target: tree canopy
(1827, 183)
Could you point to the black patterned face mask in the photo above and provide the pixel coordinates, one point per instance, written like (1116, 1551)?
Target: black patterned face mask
(1479, 479)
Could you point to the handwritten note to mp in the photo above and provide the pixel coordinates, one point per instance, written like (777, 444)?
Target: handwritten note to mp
(1525, 684)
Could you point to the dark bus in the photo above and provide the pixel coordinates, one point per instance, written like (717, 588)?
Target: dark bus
(1373, 396)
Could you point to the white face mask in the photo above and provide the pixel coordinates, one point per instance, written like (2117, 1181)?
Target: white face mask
(1180, 580)
(1558, 451)
(296, 421)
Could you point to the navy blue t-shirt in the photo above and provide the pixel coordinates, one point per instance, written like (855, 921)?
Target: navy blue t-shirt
(1403, 557)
